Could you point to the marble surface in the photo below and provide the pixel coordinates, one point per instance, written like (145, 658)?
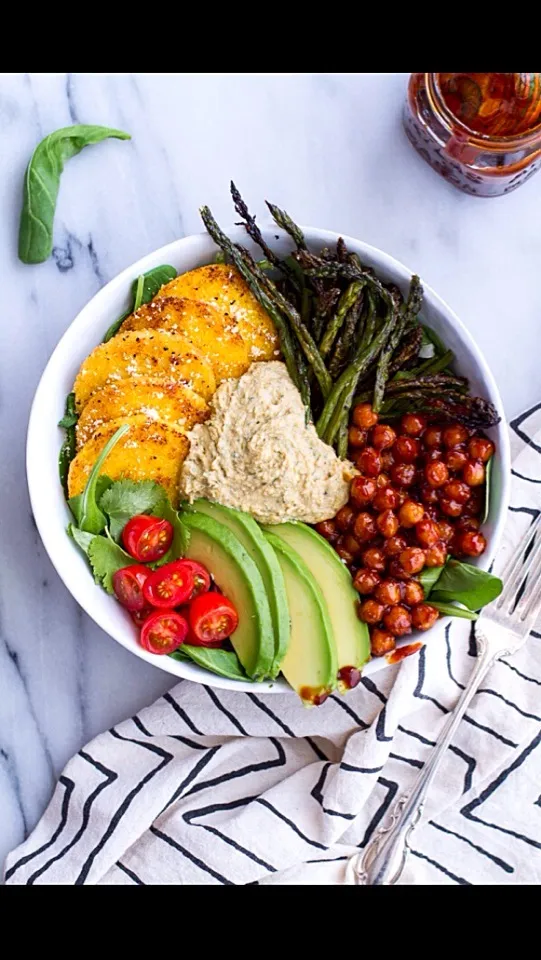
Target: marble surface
(328, 147)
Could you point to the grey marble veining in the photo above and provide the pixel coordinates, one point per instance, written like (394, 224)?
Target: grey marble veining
(330, 148)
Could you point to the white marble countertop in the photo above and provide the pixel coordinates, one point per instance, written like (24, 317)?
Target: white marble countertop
(330, 148)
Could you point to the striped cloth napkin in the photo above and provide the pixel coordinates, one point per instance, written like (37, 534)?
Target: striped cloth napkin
(209, 786)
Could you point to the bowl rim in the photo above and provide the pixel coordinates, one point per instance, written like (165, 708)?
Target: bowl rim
(181, 669)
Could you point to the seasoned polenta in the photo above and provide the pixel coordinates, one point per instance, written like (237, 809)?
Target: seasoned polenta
(156, 397)
(222, 286)
(206, 326)
(144, 353)
(150, 450)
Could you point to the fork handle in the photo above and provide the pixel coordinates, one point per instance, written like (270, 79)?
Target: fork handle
(384, 858)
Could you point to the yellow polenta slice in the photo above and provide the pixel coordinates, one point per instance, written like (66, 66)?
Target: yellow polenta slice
(157, 398)
(204, 325)
(144, 353)
(222, 286)
(150, 450)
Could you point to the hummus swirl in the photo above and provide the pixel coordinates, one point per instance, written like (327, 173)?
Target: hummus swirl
(256, 453)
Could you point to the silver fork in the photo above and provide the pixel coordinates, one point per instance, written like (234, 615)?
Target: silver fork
(500, 631)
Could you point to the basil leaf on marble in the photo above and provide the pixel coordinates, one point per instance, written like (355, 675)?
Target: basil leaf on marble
(144, 289)
(42, 181)
(85, 508)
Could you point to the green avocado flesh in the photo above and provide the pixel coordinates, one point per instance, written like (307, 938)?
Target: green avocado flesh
(253, 540)
(351, 635)
(310, 664)
(212, 544)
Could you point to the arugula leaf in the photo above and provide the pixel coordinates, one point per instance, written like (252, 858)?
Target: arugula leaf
(68, 448)
(86, 509)
(74, 503)
(428, 577)
(488, 476)
(82, 539)
(71, 416)
(454, 610)
(42, 181)
(466, 584)
(106, 557)
(223, 662)
(144, 289)
(125, 499)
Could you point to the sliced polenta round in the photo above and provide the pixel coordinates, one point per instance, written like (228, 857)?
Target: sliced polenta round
(150, 450)
(222, 286)
(156, 397)
(144, 353)
(203, 324)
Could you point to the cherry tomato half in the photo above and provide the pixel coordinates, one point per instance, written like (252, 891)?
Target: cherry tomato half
(163, 631)
(201, 577)
(147, 539)
(139, 616)
(170, 585)
(128, 585)
(212, 617)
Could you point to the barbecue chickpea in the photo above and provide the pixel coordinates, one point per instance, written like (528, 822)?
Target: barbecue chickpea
(413, 424)
(388, 592)
(386, 498)
(433, 453)
(374, 559)
(351, 543)
(368, 462)
(382, 436)
(466, 523)
(366, 581)
(436, 554)
(406, 449)
(413, 592)
(436, 473)
(396, 570)
(411, 513)
(450, 507)
(472, 543)
(364, 527)
(344, 518)
(480, 449)
(446, 531)
(394, 546)
(475, 504)
(457, 490)
(412, 560)
(363, 416)
(387, 523)
(427, 532)
(343, 552)
(423, 616)
(327, 529)
(357, 437)
(397, 620)
(454, 435)
(370, 611)
(381, 642)
(382, 480)
(403, 474)
(387, 460)
(432, 437)
(473, 473)
(362, 490)
(456, 458)
(429, 494)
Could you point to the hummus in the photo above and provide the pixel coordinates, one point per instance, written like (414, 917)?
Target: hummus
(256, 453)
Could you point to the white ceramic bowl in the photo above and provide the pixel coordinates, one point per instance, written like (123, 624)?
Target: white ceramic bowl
(44, 437)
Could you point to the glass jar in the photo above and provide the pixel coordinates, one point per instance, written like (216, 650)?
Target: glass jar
(481, 131)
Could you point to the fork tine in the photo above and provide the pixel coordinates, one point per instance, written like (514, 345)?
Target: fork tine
(513, 574)
(529, 567)
(531, 598)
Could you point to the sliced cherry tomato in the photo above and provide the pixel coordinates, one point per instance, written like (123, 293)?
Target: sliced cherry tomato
(147, 539)
(163, 631)
(170, 586)
(201, 577)
(212, 617)
(128, 585)
(139, 616)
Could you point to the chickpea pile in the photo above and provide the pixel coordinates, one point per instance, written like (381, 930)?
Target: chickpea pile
(417, 499)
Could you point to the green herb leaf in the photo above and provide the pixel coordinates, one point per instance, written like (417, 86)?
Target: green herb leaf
(179, 544)
(144, 289)
(41, 183)
(488, 477)
(106, 557)
(75, 503)
(82, 539)
(468, 585)
(68, 448)
(454, 610)
(71, 416)
(86, 510)
(125, 499)
(223, 662)
(428, 577)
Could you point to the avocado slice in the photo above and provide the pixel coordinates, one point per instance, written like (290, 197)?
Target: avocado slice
(310, 664)
(250, 535)
(213, 545)
(351, 635)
